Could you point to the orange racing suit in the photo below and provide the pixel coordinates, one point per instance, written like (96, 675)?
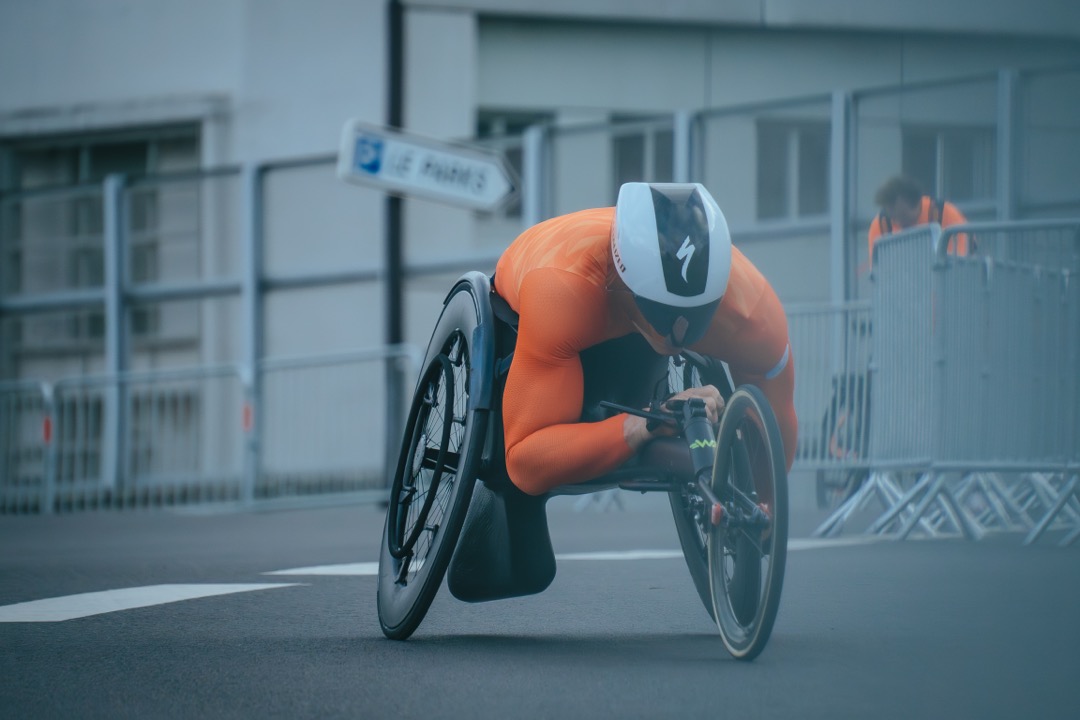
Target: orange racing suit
(555, 275)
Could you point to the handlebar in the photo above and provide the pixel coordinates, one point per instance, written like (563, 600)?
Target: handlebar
(691, 420)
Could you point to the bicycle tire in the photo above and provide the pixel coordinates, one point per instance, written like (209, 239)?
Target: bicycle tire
(417, 546)
(747, 564)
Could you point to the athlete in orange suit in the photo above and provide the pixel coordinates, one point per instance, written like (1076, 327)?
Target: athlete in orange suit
(592, 276)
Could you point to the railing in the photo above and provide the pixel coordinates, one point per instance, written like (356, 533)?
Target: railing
(25, 436)
(197, 434)
(322, 426)
(831, 346)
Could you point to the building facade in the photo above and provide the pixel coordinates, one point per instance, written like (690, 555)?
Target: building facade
(167, 194)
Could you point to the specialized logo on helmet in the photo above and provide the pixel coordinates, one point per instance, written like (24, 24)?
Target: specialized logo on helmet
(686, 251)
(682, 228)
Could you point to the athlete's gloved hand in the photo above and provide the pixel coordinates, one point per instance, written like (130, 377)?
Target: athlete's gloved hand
(637, 431)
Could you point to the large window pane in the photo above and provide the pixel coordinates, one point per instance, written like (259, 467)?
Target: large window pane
(813, 170)
(772, 170)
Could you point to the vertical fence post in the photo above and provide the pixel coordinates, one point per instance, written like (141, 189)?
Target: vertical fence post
(534, 176)
(48, 436)
(112, 441)
(251, 301)
(680, 171)
(1007, 121)
(839, 196)
(839, 189)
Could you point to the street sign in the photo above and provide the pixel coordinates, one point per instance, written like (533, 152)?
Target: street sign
(408, 165)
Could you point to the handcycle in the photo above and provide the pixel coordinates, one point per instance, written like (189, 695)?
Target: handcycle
(453, 512)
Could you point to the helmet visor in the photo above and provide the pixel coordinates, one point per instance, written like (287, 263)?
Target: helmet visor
(680, 327)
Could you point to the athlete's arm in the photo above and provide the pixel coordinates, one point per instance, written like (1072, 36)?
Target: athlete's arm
(546, 444)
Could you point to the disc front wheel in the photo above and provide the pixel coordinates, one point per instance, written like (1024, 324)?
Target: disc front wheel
(747, 549)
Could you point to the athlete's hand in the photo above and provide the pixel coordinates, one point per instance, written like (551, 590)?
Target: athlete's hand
(637, 433)
(714, 403)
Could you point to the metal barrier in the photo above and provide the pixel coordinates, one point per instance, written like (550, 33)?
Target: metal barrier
(831, 347)
(322, 422)
(832, 396)
(25, 435)
(197, 434)
(144, 438)
(974, 375)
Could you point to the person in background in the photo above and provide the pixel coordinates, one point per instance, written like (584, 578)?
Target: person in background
(904, 205)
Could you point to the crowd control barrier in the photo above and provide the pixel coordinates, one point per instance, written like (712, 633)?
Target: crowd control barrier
(973, 372)
(300, 426)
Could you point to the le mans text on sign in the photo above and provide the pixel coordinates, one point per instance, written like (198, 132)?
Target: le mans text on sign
(409, 165)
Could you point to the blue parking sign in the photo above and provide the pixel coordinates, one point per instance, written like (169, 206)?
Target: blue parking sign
(368, 157)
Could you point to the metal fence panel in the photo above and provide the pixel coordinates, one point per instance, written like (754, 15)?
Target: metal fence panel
(25, 432)
(900, 417)
(1006, 347)
(323, 422)
(831, 347)
(145, 438)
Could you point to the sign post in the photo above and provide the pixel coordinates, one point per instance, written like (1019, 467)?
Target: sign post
(408, 165)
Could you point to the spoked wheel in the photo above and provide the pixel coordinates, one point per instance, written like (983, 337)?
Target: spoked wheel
(747, 550)
(435, 473)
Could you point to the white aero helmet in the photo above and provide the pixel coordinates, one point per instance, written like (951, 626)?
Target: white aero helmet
(671, 247)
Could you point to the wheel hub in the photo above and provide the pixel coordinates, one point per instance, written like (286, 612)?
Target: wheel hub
(418, 453)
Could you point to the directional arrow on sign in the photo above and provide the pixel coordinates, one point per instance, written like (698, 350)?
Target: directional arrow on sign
(397, 162)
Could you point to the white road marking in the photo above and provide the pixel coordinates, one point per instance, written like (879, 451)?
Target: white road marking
(70, 607)
(818, 543)
(362, 568)
(622, 555)
(372, 568)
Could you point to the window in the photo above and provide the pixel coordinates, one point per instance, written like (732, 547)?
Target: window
(54, 241)
(792, 169)
(954, 162)
(641, 151)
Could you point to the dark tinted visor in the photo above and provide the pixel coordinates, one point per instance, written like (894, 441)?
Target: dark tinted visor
(680, 327)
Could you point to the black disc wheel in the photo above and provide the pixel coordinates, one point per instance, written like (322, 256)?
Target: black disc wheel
(433, 481)
(747, 549)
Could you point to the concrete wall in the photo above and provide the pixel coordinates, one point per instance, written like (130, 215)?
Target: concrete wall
(1057, 18)
(273, 78)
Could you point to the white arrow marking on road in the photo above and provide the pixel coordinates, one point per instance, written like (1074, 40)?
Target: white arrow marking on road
(96, 603)
(372, 568)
